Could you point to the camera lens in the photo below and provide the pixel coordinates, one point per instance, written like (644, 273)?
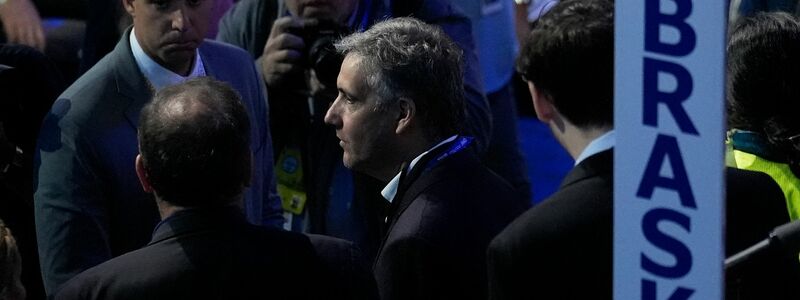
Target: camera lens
(322, 56)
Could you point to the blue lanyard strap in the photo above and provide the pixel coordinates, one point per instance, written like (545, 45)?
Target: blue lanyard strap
(459, 144)
(407, 177)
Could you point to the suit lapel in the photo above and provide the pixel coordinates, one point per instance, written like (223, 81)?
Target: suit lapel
(414, 183)
(131, 83)
(224, 68)
(210, 62)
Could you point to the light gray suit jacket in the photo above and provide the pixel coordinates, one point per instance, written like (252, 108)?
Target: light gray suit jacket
(88, 202)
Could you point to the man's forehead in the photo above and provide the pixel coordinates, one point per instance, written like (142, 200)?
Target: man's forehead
(351, 76)
(353, 59)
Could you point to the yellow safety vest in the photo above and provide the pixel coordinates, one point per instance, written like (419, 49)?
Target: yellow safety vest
(780, 172)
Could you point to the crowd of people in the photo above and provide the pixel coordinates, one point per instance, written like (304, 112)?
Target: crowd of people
(355, 149)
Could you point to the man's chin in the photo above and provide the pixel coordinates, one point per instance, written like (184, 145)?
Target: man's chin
(179, 56)
(356, 166)
(188, 48)
(177, 59)
(348, 163)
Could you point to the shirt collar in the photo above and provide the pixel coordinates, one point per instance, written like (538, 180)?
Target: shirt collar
(194, 218)
(158, 76)
(390, 190)
(600, 144)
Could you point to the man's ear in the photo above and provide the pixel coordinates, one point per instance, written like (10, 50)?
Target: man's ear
(140, 172)
(128, 4)
(407, 111)
(542, 104)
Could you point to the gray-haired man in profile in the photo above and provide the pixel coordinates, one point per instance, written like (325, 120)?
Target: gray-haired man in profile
(399, 116)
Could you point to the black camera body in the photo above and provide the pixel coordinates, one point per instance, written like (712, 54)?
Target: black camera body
(320, 55)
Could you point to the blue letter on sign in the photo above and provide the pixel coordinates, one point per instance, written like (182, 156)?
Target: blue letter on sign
(654, 19)
(649, 291)
(666, 147)
(683, 257)
(674, 100)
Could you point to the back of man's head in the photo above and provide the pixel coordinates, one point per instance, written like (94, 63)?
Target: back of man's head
(764, 74)
(406, 58)
(194, 140)
(569, 57)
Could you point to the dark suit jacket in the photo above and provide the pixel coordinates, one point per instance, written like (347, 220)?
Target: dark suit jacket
(439, 225)
(88, 202)
(206, 254)
(755, 206)
(346, 273)
(562, 247)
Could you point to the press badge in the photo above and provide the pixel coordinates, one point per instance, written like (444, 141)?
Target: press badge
(289, 175)
(292, 200)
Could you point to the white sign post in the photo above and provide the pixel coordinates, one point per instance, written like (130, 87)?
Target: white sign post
(668, 163)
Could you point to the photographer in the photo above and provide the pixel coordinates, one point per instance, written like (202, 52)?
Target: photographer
(313, 182)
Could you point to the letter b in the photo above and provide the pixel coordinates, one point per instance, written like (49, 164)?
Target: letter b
(653, 19)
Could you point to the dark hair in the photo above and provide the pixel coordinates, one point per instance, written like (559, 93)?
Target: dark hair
(10, 266)
(194, 139)
(404, 57)
(764, 76)
(569, 56)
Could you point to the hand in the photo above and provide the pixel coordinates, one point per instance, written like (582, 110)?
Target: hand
(22, 23)
(284, 50)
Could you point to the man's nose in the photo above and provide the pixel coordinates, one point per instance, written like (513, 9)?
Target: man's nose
(180, 21)
(332, 116)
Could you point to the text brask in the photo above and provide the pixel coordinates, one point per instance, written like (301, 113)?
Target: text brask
(664, 59)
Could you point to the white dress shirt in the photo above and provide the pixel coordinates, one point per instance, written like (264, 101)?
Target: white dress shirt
(390, 190)
(600, 144)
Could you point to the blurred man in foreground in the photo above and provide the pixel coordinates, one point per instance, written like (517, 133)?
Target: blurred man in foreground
(89, 206)
(195, 157)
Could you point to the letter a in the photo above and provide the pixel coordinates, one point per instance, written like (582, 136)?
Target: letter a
(666, 147)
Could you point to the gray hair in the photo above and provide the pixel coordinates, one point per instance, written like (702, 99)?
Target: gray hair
(406, 58)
